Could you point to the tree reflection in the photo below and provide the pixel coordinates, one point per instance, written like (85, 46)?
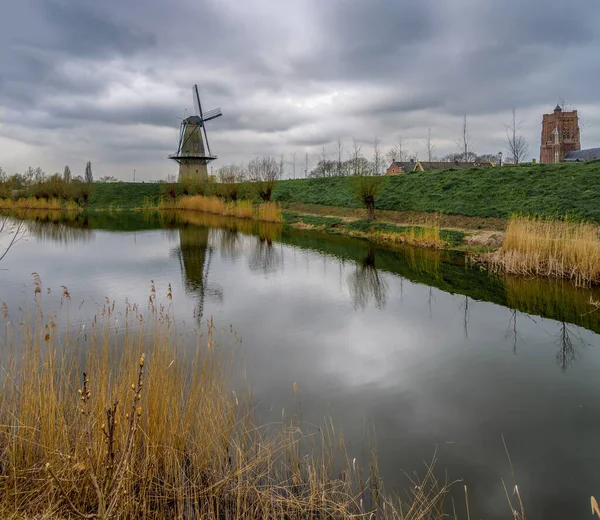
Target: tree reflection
(568, 341)
(230, 243)
(265, 257)
(366, 284)
(195, 255)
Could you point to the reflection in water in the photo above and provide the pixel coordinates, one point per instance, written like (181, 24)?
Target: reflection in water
(366, 283)
(568, 341)
(195, 257)
(265, 257)
(58, 226)
(452, 382)
(466, 316)
(555, 299)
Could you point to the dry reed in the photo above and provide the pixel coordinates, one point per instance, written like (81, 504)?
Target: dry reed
(550, 248)
(32, 203)
(244, 209)
(157, 430)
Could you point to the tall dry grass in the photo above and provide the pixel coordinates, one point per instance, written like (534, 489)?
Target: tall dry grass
(268, 211)
(550, 248)
(133, 416)
(32, 203)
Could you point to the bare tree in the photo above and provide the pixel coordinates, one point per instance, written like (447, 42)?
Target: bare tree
(429, 148)
(67, 174)
(264, 173)
(464, 142)
(398, 152)
(326, 165)
(89, 177)
(356, 155)
(517, 146)
(377, 158)
(294, 164)
(281, 166)
(306, 163)
(340, 151)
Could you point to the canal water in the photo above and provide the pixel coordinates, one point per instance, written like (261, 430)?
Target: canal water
(437, 357)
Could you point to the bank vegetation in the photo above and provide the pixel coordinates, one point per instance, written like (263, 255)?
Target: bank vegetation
(540, 247)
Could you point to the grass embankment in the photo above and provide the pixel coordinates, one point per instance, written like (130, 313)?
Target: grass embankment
(552, 190)
(266, 211)
(124, 195)
(550, 248)
(131, 417)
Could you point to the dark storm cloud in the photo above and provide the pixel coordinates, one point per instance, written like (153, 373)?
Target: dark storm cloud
(86, 29)
(289, 76)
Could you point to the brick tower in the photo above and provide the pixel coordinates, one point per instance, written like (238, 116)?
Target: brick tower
(560, 135)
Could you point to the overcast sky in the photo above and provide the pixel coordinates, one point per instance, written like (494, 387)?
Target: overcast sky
(106, 81)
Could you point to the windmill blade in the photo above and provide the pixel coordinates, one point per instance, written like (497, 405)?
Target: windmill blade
(213, 114)
(181, 134)
(206, 140)
(197, 105)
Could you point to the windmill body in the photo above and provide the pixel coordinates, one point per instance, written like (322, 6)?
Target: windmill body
(193, 151)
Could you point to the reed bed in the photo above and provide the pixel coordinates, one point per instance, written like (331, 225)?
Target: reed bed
(32, 203)
(549, 248)
(132, 415)
(244, 209)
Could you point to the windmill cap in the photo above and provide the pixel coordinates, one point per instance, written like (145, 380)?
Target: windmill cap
(193, 120)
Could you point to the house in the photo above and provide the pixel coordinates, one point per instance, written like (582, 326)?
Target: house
(582, 155)
(398, 167)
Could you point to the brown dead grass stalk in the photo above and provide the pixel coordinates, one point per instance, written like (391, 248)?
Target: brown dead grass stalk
(243, 209)
(157, 429)
(549, 248)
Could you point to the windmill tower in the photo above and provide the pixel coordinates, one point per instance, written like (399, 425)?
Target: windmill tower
(193, 151)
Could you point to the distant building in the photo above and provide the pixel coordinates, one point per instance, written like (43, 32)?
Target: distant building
(398, 167)
(560, 135)
(583, 155)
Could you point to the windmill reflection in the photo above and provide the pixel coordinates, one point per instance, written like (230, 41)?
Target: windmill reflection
(367, 285)
(195, 256)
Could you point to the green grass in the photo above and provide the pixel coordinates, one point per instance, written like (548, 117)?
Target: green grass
(124, 195)
(548, 190)
(336, 225)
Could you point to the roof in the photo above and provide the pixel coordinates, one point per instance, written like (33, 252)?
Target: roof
(409, 166)
(558, 108)
(583, 155)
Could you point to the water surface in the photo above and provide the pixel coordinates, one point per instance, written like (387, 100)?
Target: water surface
(433, 354)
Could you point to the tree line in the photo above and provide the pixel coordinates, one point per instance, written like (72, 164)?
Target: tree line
(345, 161)
(34, 182)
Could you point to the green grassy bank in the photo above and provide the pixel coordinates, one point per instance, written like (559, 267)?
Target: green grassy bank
(548, 190)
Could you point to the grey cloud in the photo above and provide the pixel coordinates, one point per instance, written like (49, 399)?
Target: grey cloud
(396, 67)
(86, 29)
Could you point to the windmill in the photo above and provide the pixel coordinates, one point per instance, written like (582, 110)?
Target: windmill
(193, 150)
